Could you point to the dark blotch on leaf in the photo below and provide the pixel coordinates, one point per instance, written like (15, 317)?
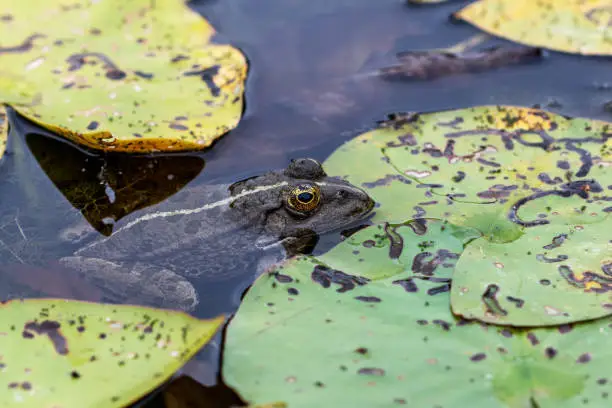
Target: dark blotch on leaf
(144, 75)
(368, 243)
(550, 352)
(51, 329)
(326, 276)
(478, 357)
(371, 371)
(418, 226)
(361, 350)
(293, 291)
(517, 302)
(207, 75)
(584, 358)
(408, 285)
(533, 339)
(489, 298)
(384, 181)
(444, 325)
(75, 374)
(93, 125)
(396, 242)
(368, 299)
(439, 289)
(556, 242)
(282, 278)
(115, 74)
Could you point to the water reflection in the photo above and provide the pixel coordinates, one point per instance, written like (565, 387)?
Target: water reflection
(107, 188)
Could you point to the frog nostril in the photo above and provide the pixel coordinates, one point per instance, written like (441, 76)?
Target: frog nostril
(342, 194)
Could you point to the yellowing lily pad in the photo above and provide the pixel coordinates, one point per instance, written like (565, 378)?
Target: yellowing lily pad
(135, 76)
(60, 353)
(576, 26)
(3, 130)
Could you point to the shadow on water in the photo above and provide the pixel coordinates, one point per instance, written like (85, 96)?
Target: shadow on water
(310, 89)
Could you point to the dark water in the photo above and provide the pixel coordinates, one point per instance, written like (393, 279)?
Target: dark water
(308, 91)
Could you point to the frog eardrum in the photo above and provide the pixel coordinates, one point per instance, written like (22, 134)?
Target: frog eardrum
(304, 198)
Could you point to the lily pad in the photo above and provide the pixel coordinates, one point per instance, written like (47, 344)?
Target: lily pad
(496, 168)
(521, 177)
(3, 130)
(312, 329)
(74, 354)
(135, 76)
(551, 275)
(576, 26)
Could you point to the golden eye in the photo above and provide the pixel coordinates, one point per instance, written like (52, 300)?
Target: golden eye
(304, 197)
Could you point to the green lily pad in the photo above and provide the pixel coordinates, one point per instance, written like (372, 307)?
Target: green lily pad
(337, 332)
(496, 168)
(3, 130)
(517, 175)
(74, 354)
(551, 275)
(111, 75)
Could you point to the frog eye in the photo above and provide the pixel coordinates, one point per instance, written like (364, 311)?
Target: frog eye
(304, 198)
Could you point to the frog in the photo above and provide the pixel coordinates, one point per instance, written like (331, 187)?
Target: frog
(216, 232)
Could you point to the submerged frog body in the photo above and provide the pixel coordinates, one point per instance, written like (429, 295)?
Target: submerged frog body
(218, 232)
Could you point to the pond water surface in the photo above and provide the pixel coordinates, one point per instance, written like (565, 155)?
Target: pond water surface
(308, 92)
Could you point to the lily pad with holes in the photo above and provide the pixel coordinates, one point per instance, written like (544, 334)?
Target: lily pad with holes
(521, 177)
(136, 76)
(372, 316)
(575, 26)
(74, 354)
(3, 131)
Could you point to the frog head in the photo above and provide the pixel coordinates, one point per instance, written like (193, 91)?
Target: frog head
(301, 200)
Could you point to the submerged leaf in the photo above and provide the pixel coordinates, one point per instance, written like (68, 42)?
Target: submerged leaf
(576, 26)
(521, 177)
(135, 76)
(107, 189)
(314, 328)
(435, 64)
(75, 354)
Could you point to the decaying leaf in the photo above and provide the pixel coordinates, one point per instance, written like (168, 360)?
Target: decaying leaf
(75, 354)
(3, 130)
(314, 328)
(135, 76)
(435, 64)
(576, 26)
(521, 177)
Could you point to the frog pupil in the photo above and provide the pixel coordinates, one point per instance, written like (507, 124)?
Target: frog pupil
(305, 197)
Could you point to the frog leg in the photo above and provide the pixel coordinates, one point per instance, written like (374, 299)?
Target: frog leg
(135, 283)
